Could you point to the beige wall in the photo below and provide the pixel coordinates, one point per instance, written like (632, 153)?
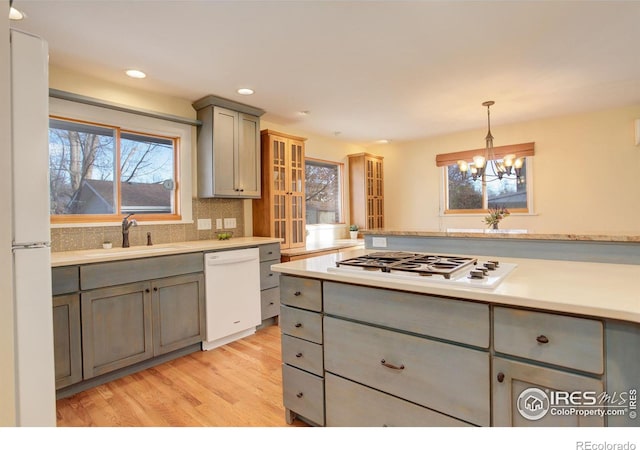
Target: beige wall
(585, 176)
(7, 356)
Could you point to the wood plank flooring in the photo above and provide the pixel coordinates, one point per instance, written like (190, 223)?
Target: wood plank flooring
(236, 385)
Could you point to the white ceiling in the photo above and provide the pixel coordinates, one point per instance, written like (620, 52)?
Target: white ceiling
(370, 70)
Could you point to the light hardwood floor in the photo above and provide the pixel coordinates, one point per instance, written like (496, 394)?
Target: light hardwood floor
(236, 385)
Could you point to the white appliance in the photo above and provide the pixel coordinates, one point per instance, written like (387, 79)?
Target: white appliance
(232, 283)
(35, 373)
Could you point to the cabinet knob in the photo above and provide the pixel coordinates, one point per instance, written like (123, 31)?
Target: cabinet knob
(542, 339)
(298, 325)
(297, 293)
(298, 355)
(269, 253)
(500, 377)
(271, 303)
(147, 290)
(392, 366)
(270, 274)
(155, 289)
(299, 394)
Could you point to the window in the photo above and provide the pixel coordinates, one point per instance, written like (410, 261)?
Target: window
(466, 195)
(463, 194)
(86, 158)
(323, 191)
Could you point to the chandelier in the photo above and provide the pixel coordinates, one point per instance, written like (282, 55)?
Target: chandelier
(487, 164)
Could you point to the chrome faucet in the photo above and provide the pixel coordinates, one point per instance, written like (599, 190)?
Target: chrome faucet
(126, 224)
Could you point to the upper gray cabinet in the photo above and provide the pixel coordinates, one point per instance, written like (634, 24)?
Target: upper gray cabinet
(228, 149)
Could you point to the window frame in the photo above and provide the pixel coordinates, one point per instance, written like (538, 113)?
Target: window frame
(341, 194)
(140, 124)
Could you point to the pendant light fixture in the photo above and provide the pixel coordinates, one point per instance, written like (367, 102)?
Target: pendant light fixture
(486, 164)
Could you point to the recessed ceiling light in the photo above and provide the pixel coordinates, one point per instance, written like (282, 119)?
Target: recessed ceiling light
(304, 113)
(245, 91)
(15, 14)
(133, 73)
(383, 141)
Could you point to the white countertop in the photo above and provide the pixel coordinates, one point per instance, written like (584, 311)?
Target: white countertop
(593, 289)
(114, 254)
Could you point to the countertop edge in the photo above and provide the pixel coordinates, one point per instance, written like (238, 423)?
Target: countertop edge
(507, 234)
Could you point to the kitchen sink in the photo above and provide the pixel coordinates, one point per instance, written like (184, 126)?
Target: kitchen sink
(116, 252)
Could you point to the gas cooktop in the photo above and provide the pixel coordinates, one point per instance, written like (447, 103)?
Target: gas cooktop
(456, 270)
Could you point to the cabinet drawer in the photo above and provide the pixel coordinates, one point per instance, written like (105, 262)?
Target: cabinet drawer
(301, 292)
(354, 405)
(444, 377)
(268, 278)
(65, 280)
(302, 354)
(270, 303)
(303, 393)
(302, 324)
(121, 272)
(561, 340)
(270, 252)
(454, 320)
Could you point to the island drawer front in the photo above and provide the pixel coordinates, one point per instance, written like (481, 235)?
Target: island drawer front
(270, 302)
(300, 323)
(303, 393)
(301, 292)
(268, 278)
(443, 318)
(448, 378)
(65, 280)
(565, 341)
(302, 354)
(351, 404)
(269, 252)
(113, 273)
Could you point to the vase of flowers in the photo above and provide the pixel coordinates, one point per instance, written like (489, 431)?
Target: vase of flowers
(495, 216)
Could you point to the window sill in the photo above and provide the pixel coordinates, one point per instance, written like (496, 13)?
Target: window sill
(118, 224)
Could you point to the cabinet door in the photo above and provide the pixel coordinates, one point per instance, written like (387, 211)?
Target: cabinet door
(116, 327)
(248, 157)
(178, 312)
(225, 150)
(66, 339)
(296, 201)
(279, 190)
(511, 395)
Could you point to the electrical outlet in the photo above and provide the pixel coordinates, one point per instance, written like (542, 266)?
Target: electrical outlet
(229, 223)
(204, 224)
(379, 242)
(218, 224)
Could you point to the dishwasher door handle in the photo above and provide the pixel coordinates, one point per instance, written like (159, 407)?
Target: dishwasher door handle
(227, 261)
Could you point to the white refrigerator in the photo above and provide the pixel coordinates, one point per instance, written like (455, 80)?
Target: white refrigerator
(35, 373)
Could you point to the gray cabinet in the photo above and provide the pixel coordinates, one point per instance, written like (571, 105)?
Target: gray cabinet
(66, 325)
(228, 149)
(126, 324)
(520, 394)
(269, 281)
(302, 349)
(116, 327)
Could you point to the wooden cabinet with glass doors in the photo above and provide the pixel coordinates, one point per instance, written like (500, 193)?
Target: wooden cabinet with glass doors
(366, 191)
(280, 212)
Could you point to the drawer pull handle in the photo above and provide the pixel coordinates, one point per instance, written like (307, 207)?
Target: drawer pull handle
(500, 377)
(298, 355)
(271, 303)
(297, 293)
(299, 394)
(542, 339)
(270, 274)
(392, 366)
(298, 325)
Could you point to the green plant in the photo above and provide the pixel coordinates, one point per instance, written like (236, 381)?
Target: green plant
(224, 236)
(353, 228)
(496, 215)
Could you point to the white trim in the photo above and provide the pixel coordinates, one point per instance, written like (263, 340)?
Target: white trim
(637, 131)
(143, 124)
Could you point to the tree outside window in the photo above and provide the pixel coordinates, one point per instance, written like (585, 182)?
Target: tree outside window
(323, 192)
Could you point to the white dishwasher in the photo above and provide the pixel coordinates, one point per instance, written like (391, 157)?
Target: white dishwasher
(232, 285)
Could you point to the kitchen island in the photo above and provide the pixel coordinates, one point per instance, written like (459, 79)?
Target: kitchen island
(360, 349)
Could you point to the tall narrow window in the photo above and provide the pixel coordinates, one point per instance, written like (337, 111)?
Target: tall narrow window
(323, 191)
(85, 160)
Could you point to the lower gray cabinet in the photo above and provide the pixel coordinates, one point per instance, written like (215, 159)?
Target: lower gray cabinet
(67, 343)
(116, 327)
(178, 312)
(126, 324)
